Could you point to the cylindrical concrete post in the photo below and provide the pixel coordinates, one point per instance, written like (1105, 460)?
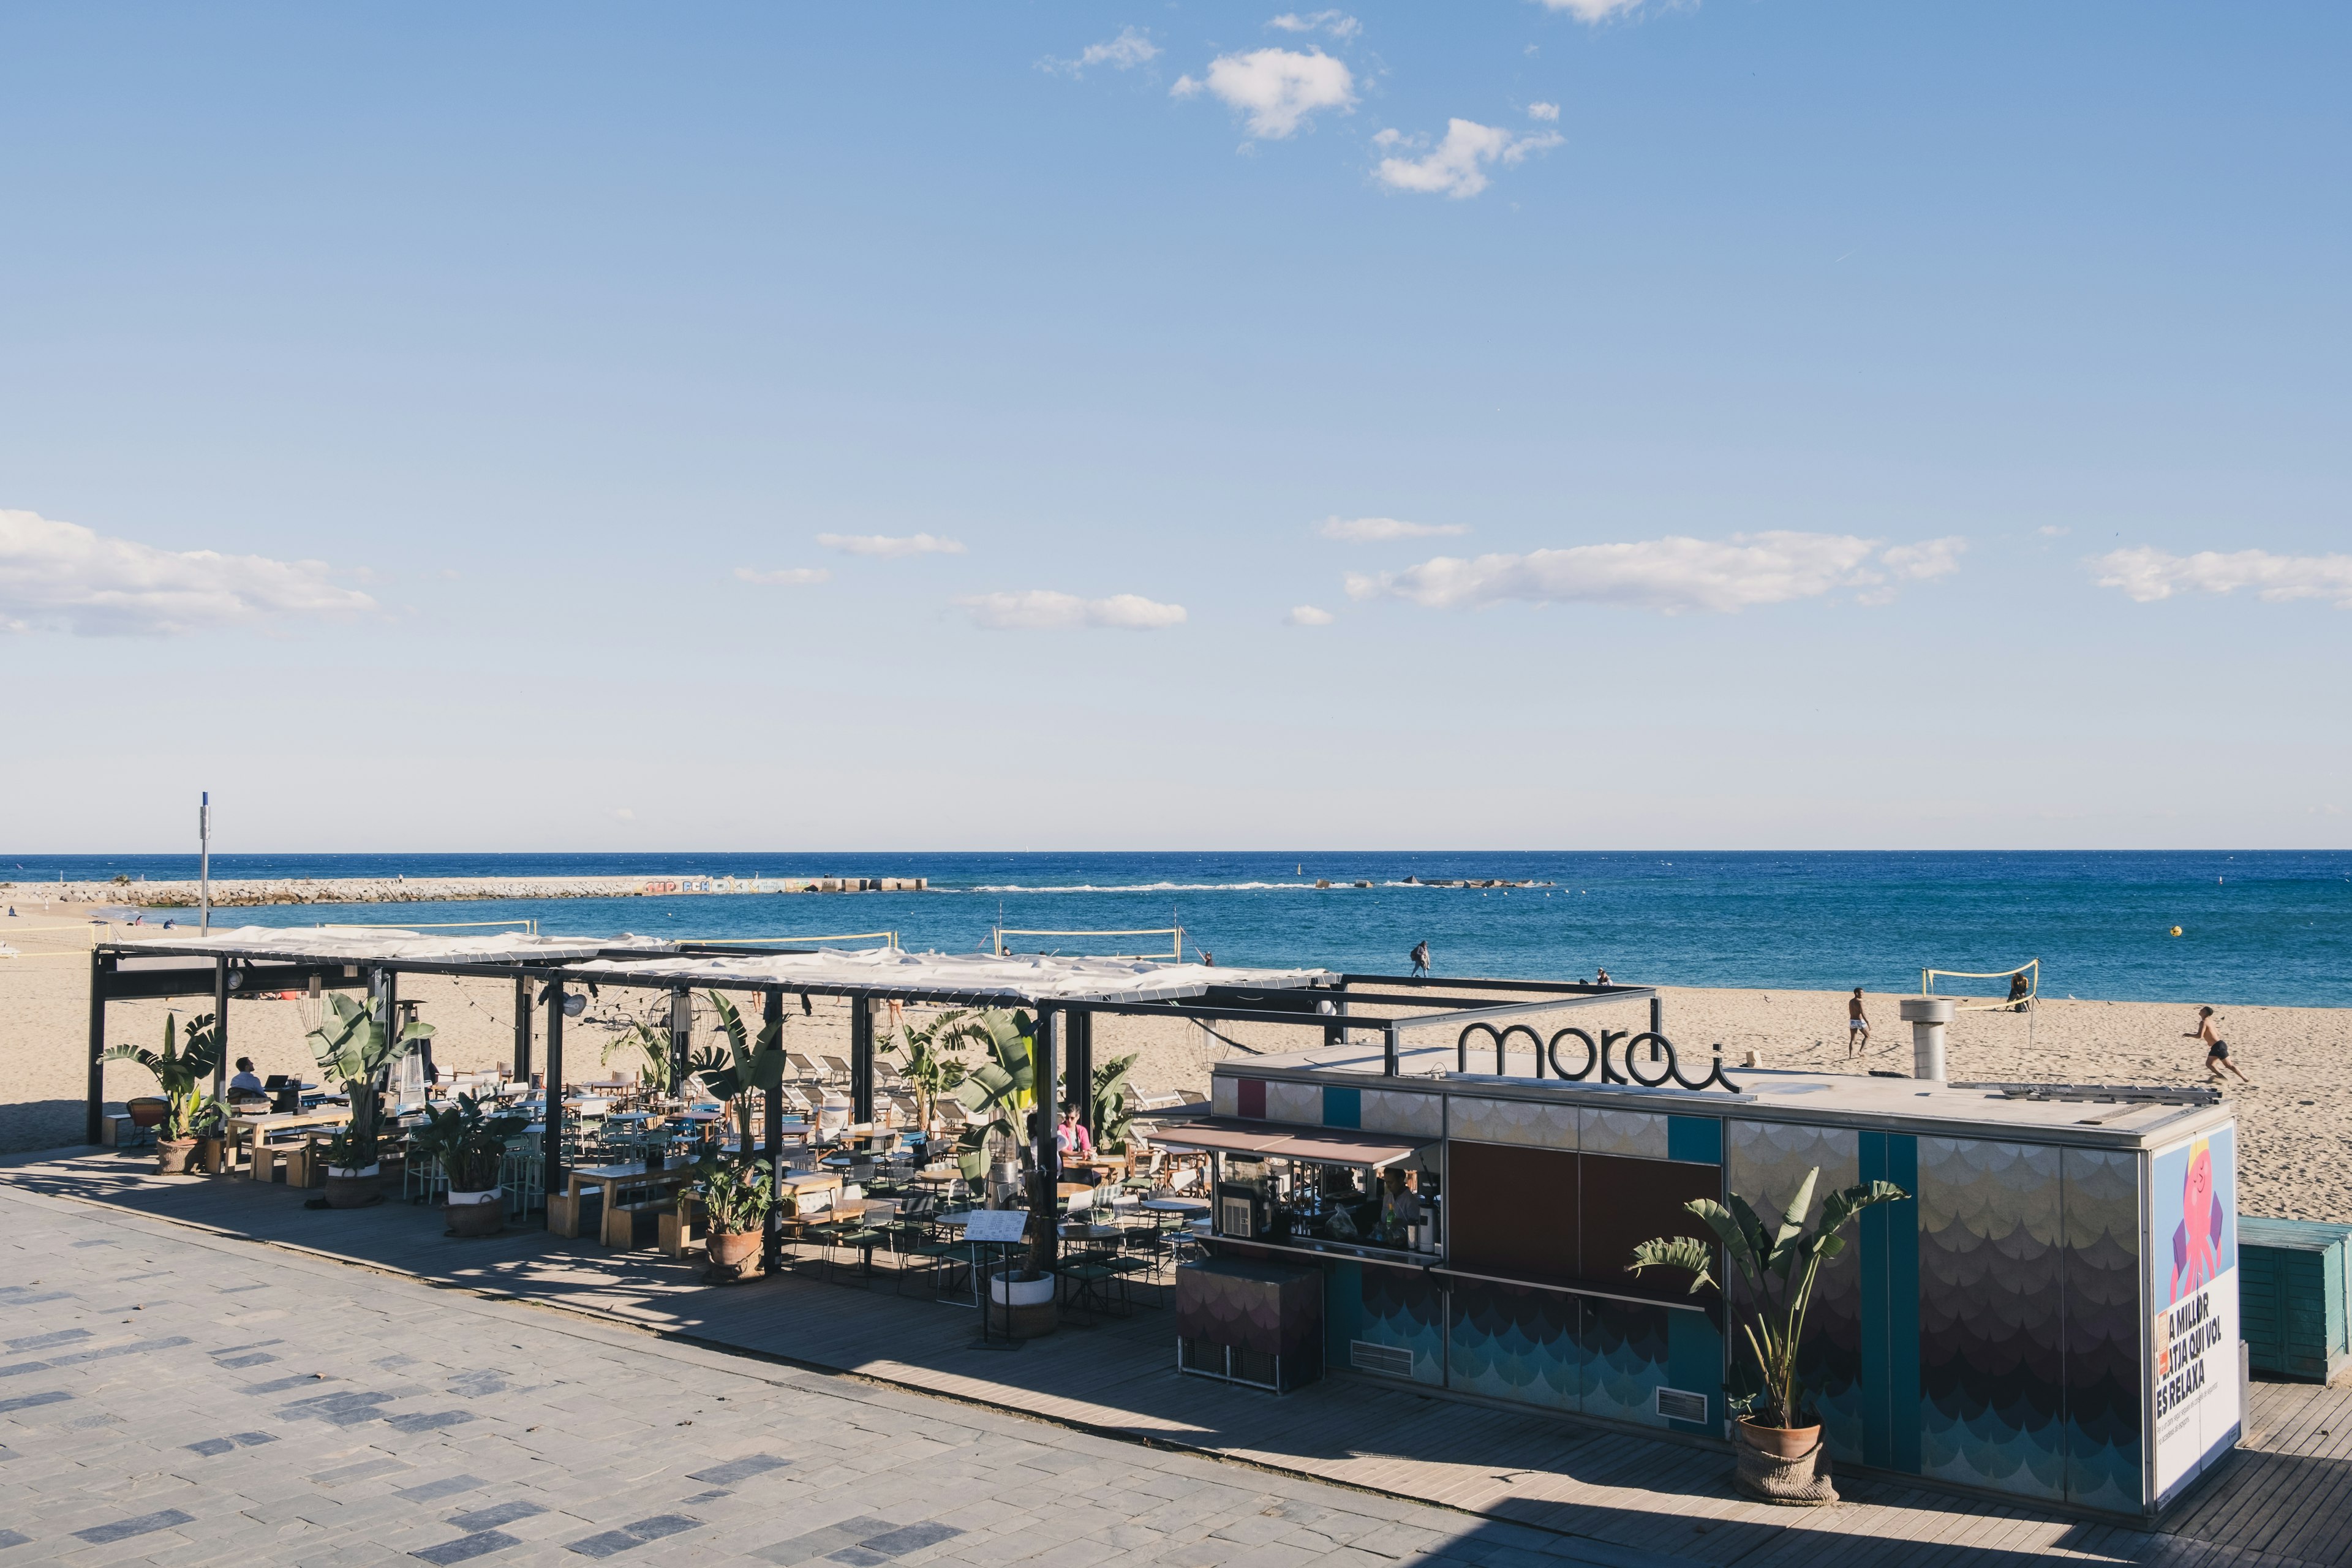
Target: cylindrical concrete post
(1927, 1015)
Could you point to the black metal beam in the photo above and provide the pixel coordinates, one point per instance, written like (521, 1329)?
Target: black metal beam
(552, 1147)
(1081, 1053)
(861, 1059)
(94, 1121)
(1045, 1199)
(220, 1033)
(1240, 1015)
(254, 979)
(1425, 981)
(771, 1241)
(522, 1030)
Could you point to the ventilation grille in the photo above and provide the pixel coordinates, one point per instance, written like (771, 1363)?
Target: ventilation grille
(1395, 1361)
(1233, 1217)
(1680, 1405)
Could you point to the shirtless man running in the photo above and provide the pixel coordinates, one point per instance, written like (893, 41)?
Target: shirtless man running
(2217, 1049)
(1857, 1026)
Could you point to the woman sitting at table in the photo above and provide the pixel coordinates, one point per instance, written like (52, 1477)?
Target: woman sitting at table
(1072, 1138)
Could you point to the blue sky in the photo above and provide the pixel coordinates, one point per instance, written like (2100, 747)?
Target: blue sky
(1818, 426)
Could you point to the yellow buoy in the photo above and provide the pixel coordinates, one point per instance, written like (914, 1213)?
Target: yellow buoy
(2176, 930)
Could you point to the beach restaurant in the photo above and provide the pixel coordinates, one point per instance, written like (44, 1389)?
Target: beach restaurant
(2052, 1315)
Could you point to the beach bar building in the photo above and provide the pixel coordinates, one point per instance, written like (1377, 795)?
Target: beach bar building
(2052, 1316)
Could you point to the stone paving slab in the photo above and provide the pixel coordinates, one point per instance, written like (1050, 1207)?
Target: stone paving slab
(159, 1414)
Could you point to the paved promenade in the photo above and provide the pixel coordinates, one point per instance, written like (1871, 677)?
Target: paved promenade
(172, 1397)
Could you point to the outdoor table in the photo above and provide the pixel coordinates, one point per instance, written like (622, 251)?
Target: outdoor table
(258, 1128)
(1174, 1205)
(607, 1179)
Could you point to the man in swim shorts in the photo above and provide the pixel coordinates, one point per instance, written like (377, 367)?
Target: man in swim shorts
(1857, 1026)
(2217, 1049)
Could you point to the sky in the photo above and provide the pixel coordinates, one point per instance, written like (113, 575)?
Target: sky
(1515, 424)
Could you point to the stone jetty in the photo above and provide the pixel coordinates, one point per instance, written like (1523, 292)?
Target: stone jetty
(233, 893)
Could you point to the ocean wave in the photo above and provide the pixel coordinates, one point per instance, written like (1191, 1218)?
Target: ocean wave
(1151, 888)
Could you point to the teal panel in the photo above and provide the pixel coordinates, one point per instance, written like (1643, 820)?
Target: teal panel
(1890, 1306)
(1343, 1308)
(1342, 1107)
(1697, 1138)
(1694, 1362)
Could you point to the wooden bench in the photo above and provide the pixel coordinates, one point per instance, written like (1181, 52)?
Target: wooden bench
(683, 1226)
(628, 1226)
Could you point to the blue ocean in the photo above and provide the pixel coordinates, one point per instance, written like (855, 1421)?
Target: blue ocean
(2265, 927)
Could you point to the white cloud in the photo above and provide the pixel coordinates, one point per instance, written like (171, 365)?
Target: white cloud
(1308, 616)
(1456, 167)
(1274, 89)
(886, 545)
(623, 814)
(1543, 111)
(2147, 575)
(1129, 50)
(783, 577)
(1372, 530)
(1668, 575)
(1042, 610)
(61, 575)
(1593, 10)
(1338, 24)
(2052, 530)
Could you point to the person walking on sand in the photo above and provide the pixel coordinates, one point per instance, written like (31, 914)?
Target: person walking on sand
(2217, 1049)
(1420, 957)
(1857, 1026)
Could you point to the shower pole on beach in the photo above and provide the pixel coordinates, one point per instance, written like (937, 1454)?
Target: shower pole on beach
(204, 862)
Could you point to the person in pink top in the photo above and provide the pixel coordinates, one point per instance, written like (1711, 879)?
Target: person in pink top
(1071, 1137)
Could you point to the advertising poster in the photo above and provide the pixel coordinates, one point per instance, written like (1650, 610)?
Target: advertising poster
(2192, 1263)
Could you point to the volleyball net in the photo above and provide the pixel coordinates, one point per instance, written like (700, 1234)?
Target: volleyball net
(1173, 954)
(2024, 985)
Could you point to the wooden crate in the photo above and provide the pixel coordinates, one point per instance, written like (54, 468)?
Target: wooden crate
(2294, 1297)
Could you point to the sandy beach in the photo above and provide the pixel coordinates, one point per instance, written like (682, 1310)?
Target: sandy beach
(2294, 1117)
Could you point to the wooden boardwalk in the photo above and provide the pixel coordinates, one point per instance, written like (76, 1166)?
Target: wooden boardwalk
(2285, 1499)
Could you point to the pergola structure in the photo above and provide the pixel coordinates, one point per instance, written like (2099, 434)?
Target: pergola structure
(1064, 994)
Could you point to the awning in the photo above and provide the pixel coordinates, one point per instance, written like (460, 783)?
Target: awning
(1324, 1145)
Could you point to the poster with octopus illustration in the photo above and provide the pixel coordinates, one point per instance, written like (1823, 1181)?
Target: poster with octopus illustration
(2192, 1262)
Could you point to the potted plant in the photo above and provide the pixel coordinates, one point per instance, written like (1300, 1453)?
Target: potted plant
(354, 1049)
(1780, 1452)
(182, 1074)
(1001, 1095)
(470, 1141)
(931, 1071)
(211, 1127)
(735, 1197)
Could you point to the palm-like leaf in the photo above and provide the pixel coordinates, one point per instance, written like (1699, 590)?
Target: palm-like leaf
(1779, 1267)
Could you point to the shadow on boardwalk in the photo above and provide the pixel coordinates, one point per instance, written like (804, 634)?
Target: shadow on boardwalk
(1548, 1487)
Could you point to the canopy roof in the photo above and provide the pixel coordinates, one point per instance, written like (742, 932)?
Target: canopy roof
(879, 970)
(1323, 1145)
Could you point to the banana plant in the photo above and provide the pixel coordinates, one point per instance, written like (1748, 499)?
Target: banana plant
(354, 1049)
(181, 1072)
(929, 1069)
(1000, 1092)
(1779, 1267)
(655, 1048)
(1111, 1115)
(748, 1064)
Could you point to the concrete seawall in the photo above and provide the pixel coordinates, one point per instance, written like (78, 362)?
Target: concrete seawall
(232, 894)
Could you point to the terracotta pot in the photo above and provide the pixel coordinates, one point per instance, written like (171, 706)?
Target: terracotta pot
(173, 1154)
(477, 1214)
(1784, 1444)
(733, 1248)
(352, 1189)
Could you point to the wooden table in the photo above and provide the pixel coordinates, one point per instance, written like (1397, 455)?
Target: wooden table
(257, 1127)
(563, 1208)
